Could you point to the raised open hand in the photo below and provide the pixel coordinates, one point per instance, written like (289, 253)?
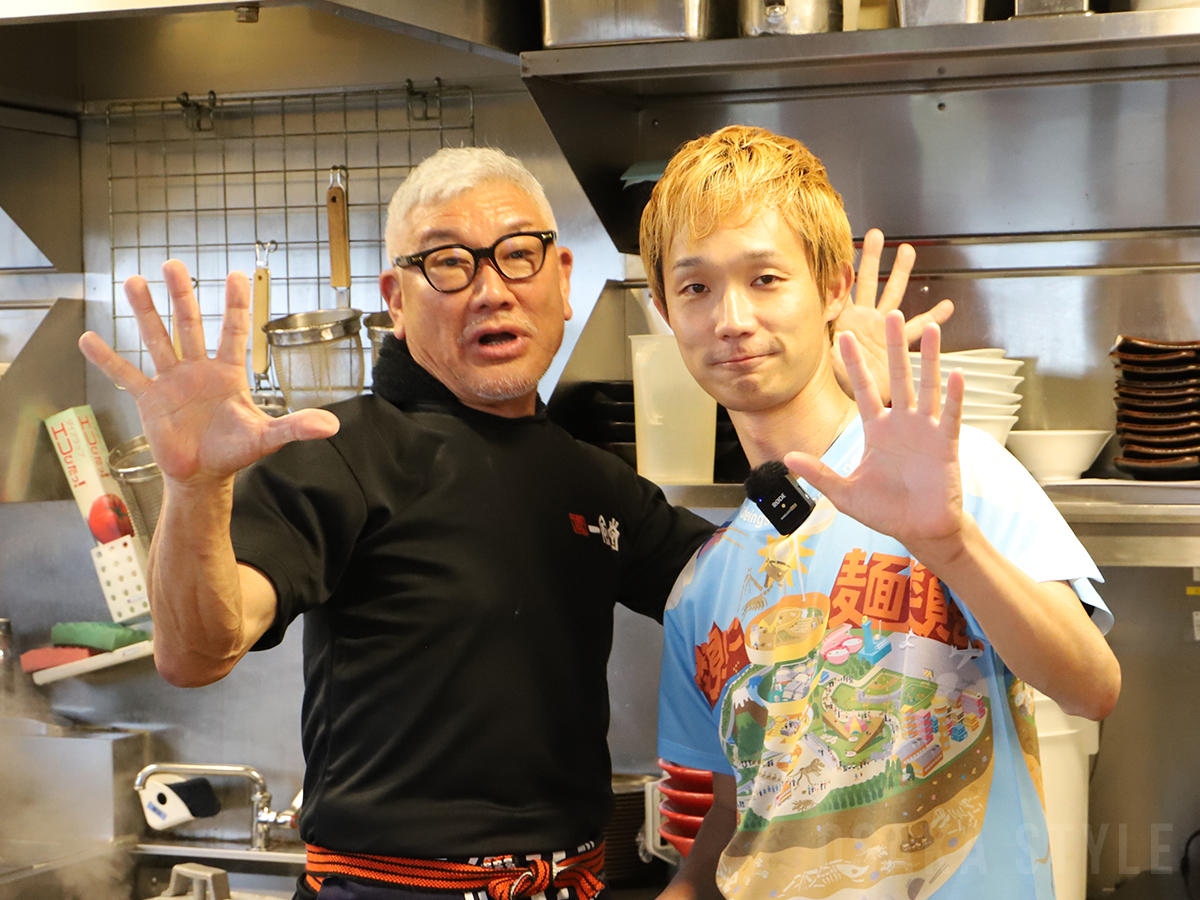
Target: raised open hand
(908, 484)
(197, 413)
(864, 317)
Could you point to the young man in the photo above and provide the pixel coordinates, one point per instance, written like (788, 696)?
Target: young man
(860, 687)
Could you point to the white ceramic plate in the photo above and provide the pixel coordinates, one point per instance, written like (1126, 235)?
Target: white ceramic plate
(1057, 455)
(979, 397)
(983, 365)
(990, 409)
(997, 426)
(977, 381)
(1001, 398)
(987, 352)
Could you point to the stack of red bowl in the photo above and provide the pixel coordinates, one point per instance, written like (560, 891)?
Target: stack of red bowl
(688, 794)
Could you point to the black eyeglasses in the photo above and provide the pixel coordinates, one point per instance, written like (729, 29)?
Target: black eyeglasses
(453, 267)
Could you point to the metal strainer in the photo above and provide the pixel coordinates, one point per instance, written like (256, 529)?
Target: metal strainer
(317, 356)
(379, 326)
(133, 466)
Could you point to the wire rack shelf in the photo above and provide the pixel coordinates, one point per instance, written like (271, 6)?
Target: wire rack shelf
(204, 180)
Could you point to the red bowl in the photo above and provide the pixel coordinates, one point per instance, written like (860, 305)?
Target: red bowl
(684, 823)
(690, 802)
(680, 842)
(686, 779)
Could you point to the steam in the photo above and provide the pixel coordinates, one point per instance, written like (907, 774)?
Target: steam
(35, 827)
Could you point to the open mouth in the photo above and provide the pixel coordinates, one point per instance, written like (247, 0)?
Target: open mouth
(499, 337)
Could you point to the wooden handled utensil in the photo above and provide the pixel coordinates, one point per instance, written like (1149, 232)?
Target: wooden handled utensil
(260, 311)
(339, 234)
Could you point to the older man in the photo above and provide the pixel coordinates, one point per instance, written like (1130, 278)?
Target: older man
(455, 555)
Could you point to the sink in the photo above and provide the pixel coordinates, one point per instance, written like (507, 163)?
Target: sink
(212, 879)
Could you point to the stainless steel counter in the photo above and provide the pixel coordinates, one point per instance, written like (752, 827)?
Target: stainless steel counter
(1121, 523)
(41, 869)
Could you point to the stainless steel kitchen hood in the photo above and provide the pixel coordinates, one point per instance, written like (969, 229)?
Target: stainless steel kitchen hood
(612, 106)
(499, 28)
(1106, 46)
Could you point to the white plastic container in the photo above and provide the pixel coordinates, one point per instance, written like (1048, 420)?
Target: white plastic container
(1065, 745)
(675, 421)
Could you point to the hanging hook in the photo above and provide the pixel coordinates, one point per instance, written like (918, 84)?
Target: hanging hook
(415, 97)
(197, 116)
(262, 251)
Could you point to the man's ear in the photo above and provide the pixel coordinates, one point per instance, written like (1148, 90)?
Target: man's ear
(389, 287)
(839, 293)
(566, 259)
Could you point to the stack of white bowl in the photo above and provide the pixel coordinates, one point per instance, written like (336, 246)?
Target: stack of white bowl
(990, 401)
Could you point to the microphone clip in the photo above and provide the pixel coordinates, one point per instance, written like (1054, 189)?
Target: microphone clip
(785, 504)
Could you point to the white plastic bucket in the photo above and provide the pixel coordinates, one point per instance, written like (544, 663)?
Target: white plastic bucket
(675, 421)
(1065, 744)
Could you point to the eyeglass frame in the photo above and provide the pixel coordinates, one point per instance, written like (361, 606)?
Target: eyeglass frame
(478, 254)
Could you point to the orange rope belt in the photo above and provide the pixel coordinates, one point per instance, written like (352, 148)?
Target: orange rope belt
(501, 876)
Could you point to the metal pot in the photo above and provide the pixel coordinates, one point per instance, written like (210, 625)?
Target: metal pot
(789, 16)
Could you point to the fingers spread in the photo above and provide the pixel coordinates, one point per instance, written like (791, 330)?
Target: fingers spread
(915, 327)
(866, 395)
(305, 425)
(899, 371)
(185, 311)
(150, 324)
(117, 368)
(819, 475)
(235, 323)
(867, 282)
(897, 283)
(942, 312)
(951, 422)
(930, 395)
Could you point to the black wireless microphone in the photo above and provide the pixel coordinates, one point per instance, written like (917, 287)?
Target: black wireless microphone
(785, 504)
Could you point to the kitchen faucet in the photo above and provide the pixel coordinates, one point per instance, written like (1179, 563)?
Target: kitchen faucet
(262, 816)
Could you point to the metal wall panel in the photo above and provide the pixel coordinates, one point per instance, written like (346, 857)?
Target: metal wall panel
(992, 160)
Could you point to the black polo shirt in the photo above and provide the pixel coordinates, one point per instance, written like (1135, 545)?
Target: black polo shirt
(457, 573)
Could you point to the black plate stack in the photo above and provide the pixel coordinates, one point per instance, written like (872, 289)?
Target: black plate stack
(1158, 408)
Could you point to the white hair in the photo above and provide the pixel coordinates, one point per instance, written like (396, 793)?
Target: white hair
(453, 171)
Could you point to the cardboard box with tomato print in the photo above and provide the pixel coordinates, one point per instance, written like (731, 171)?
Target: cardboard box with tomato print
(119, 557)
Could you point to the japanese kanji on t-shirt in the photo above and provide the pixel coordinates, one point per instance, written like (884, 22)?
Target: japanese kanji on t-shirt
(881, 748)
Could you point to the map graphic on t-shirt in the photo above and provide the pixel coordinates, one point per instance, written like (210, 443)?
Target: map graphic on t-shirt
(862, 712)
(843, 727)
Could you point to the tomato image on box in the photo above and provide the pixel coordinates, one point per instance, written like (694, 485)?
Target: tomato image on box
(109, 518)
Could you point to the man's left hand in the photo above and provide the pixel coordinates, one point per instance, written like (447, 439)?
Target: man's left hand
(863, 317)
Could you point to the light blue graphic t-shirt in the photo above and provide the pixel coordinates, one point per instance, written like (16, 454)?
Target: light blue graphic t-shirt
(881, 748)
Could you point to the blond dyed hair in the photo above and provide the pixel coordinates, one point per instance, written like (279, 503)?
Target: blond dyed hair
(739, 171)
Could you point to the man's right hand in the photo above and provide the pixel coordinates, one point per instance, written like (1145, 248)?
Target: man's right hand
(197, 413)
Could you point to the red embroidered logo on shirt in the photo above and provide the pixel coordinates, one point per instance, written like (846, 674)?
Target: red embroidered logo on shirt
(609, 530)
